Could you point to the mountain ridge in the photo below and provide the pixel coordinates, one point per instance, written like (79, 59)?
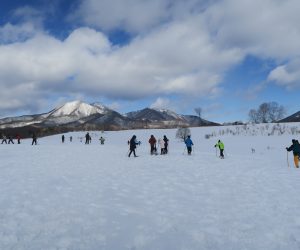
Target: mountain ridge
(78, 115)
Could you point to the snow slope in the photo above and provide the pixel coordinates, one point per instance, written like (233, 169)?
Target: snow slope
(76, 196)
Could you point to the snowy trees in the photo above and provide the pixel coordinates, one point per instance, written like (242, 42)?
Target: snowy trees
(182, 133)
(267, 112)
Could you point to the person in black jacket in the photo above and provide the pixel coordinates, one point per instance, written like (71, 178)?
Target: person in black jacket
(34, 139)
(10, 139)
(166, 141)
(295, 147)
(132, 145)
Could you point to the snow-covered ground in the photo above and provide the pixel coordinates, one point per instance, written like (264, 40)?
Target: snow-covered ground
(90, 197)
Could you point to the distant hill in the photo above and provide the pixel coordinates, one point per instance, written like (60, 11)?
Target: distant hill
(77, 115)
(292, 118)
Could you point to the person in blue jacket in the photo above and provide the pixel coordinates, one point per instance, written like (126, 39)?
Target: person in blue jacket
(189, 143)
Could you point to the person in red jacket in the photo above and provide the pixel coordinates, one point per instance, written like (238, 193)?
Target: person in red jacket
(18, 137)
(152, 142)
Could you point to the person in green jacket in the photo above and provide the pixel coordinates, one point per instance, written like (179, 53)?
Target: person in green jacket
(220, 145)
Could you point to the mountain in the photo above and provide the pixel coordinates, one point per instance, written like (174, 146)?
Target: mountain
(168, 117)
(292, 118)
(77, 115)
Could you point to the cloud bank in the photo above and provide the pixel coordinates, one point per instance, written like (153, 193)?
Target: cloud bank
(177, 47)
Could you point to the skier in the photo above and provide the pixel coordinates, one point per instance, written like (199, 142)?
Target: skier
(63, 138)
(132, 145)
(295, 147)
(34, 139)
(71, 138)
(189, 143)
(102, 140)
(87, 138)
(152, 142)
(4, 138)
(220, 145)
(10, 140)
(166, 143)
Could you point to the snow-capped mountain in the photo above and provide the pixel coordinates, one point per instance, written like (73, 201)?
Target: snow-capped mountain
(78, 115)
(78, 109)
(168, 117)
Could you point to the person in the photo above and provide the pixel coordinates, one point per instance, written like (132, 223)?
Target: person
(71, 138)
(63, 138)
(189, 143)
(220, 145)
(132, 145)
(295, 147)
(152, 142)
(18, 138)
(102, 140)
(4, 139)
(87, 138)
(166, 143)
(10, 139)
(161, 144)
(34, 139)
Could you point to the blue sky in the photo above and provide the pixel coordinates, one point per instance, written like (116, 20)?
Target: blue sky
(226, 57)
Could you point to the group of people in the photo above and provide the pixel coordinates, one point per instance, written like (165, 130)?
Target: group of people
(63, 138)
(88, 139)
(164, 143)
(10, 139)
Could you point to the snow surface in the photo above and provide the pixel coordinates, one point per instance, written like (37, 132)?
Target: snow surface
(76, 196)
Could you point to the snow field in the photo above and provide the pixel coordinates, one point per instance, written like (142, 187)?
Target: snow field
(76, 196)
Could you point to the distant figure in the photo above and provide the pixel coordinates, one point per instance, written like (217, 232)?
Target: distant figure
(252, 150)
(161, 143)
(295, 147)
(18, 137)
(220, 145)
(189, 143)
(132, 145)
(10, 139)
(87, 138)
(63, 138)
(102, 140)
(152, 142)
(34, 139)
(71, 138)
(166, 144)
(4, 139)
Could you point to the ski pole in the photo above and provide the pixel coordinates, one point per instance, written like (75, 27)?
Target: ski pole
(184, 150)
(287, 158)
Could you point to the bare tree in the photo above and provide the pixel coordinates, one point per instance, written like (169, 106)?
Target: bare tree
(267, 112)
(182, 133)
(199, 113)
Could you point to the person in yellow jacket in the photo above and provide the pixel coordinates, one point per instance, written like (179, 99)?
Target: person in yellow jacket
(220, 145)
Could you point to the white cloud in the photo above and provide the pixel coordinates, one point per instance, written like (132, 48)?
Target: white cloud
(181, 47)
(134, 15)
(287, 75)
(10, 33)
(161, 103)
